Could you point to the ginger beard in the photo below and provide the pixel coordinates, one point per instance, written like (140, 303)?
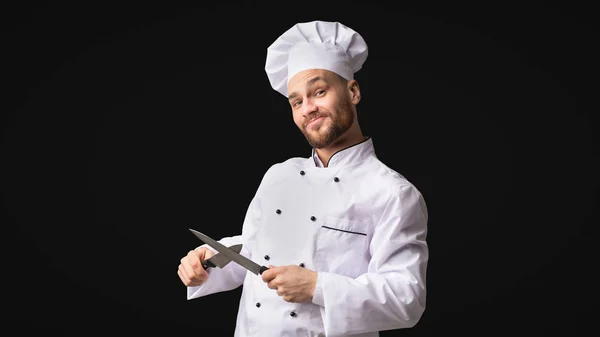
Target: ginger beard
(332, 127)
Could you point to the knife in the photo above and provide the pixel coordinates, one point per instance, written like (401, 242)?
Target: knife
(231, 254)
(220, 260)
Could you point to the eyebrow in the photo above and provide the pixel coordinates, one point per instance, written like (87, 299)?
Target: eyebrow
(308, 83)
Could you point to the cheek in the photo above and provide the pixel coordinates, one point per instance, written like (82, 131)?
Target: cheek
(297, 120)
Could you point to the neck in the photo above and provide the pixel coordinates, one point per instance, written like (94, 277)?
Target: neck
(342, 143)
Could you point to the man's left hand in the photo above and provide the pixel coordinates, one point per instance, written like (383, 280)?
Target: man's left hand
(293, 283)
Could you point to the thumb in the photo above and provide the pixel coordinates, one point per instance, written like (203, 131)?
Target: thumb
(204, 253)
(269, 274)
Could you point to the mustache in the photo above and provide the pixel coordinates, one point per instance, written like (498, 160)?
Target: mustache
(313, 117)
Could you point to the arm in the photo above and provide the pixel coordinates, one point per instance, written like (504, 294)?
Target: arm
(232, 275)
(391, 295)
(219, 280)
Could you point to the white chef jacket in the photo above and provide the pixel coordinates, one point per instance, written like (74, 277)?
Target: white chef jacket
(358, 223)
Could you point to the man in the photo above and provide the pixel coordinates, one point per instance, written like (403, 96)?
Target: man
(343, 234)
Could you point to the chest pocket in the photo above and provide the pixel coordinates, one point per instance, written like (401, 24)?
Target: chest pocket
(342, 246)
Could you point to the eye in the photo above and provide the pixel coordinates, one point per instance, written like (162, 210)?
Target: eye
(296, 103)
(319, 93)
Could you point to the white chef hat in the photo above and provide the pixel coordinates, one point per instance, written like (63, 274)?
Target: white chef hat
(314, 45)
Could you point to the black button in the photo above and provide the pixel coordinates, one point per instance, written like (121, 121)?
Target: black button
(257, 305)
(313, 218)
(267, 257)
(302, 265)
(293, 314)
(336, 179)
(278, 211)
(302, 172)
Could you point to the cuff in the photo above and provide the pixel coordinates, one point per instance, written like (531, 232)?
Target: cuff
(318, 293)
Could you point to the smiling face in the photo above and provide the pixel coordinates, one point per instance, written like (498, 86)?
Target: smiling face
(323, 106)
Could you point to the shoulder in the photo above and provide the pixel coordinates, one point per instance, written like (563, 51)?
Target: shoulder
(281, 170)
(392, 182)
(383, 175)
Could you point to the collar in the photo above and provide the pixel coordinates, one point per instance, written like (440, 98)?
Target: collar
(349, 155)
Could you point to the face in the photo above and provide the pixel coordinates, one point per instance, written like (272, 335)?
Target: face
(322, 105)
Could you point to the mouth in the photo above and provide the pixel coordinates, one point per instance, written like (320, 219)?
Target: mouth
(314, 121)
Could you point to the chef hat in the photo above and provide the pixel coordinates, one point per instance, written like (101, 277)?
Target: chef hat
(314, 45)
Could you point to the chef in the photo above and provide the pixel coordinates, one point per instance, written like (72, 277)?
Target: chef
(343, 235)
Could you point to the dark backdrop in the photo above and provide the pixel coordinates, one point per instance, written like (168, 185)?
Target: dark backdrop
(125, 125)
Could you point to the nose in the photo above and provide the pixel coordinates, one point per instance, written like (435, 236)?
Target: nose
(308, 107)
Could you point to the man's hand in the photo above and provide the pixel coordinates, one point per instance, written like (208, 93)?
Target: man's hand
(293, 283)
(190, 269)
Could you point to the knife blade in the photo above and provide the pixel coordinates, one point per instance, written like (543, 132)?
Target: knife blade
(219, 260)
(230, 254)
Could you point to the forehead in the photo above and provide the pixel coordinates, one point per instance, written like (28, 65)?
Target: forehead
(307, 77)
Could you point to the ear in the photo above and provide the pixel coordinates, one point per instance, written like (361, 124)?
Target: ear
(354, 91)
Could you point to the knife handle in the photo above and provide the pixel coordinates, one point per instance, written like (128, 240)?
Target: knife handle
(262, 269)
(208, 264)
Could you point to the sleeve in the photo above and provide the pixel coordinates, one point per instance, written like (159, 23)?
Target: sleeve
(392, 294)
(232, 275)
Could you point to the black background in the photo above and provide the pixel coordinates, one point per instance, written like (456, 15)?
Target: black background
(125, 125)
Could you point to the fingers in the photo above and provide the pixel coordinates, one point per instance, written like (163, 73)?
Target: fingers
(267, 276)
(271, 277)
(276, 285)
(292, 283)
(270, 273)
(187, 270)
(195, 255)
(192, 265)
(183, 277)
(279, 288)
(190, 269)
(204, 253)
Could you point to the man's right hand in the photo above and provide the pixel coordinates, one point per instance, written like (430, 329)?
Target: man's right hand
(190, 269)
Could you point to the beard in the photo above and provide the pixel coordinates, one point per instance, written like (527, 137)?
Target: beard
(341, 122)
